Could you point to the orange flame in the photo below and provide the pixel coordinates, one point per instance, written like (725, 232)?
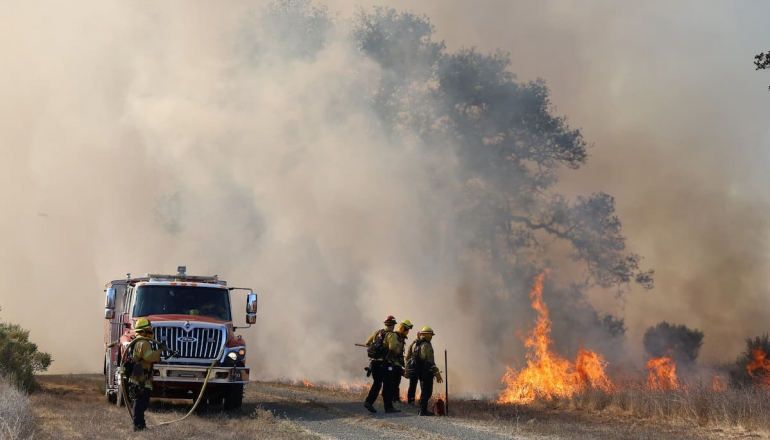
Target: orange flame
(662, 374)
(718, 383)
(307, 383)
(590, 368)
(548, 375)
(759, 368)
(355, 386)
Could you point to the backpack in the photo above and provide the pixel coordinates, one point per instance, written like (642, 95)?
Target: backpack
(377, 350)
(414, 364)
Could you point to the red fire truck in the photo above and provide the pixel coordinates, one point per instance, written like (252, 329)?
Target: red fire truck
(192, 316)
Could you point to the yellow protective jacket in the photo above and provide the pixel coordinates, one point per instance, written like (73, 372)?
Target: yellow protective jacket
(146, 357)
(374, 335)
(371, 339)
(394, 343)
(410, 351)
(426, 357)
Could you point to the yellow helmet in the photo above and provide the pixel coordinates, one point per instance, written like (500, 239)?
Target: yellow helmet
(142, 324)
(407, 324)
(427, 331)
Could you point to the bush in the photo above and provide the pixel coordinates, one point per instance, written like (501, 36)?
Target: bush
(17, 420)
(677, 341)
(739, 375)
(19, 358)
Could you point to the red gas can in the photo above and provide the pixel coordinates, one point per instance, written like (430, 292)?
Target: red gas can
(439, 408)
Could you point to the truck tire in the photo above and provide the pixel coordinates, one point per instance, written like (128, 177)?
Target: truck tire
(118, 387)
(234, 396)
(215, 401)
(119, 397)
(110, 396)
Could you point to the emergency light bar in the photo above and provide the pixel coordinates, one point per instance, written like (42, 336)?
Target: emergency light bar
(181, 275)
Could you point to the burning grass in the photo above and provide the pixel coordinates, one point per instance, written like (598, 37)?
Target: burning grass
(548, 375)
(738, 411)
(695, 413)
(550, 382)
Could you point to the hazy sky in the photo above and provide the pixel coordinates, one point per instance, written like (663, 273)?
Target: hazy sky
(117, 117)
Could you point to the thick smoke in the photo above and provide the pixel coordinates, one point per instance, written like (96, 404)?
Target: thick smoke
(138, 136)
(668, 95)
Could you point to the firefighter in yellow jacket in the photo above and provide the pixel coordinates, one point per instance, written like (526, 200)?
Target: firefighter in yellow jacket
(140, 377)
(377, 352)
(385, 364)
(406, 325)
(411, 374)
(426, 368)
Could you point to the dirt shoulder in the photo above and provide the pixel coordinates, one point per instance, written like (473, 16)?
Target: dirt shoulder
(73, 406)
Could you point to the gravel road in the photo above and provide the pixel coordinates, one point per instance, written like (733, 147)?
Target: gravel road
(335, 416)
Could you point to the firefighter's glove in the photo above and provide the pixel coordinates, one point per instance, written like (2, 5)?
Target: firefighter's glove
(439, 379)
(162, 346)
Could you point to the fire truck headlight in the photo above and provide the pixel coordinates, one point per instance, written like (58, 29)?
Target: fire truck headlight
(234, 354)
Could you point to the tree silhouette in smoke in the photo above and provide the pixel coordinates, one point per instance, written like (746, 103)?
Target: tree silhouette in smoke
(510, 145)
(507, 147)
(677, 341)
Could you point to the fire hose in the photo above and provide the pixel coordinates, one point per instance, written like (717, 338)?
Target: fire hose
(124, 392)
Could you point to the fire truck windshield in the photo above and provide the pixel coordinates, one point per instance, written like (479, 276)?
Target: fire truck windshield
(182, 300)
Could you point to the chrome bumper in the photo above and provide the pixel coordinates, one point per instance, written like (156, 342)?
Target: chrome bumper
(193, 374)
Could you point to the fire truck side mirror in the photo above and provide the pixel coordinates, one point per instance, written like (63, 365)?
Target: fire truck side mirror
(251, 308)
(109, 304)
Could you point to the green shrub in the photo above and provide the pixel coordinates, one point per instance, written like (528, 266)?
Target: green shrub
(19, 358)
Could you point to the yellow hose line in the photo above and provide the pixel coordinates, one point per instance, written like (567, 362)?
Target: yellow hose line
(124, 394)
(197, 401)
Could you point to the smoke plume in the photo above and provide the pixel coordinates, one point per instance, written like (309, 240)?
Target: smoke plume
(138, 136)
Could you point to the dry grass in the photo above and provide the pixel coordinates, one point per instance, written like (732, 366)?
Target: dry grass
(16, 418)
(635, 412)
(74, 407)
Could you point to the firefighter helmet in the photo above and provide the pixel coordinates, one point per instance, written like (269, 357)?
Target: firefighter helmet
(427, 331)
(390, 320)
(407, 324)
(142, 324)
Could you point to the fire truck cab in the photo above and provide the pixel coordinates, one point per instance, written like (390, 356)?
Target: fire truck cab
(192, 315)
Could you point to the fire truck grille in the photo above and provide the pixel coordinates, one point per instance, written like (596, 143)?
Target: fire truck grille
(196, 343)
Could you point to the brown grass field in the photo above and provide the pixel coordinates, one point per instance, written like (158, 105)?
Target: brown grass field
(73, 406)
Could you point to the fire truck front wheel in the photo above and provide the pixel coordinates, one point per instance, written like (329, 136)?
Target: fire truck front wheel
(109, 395)
(234, 396)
